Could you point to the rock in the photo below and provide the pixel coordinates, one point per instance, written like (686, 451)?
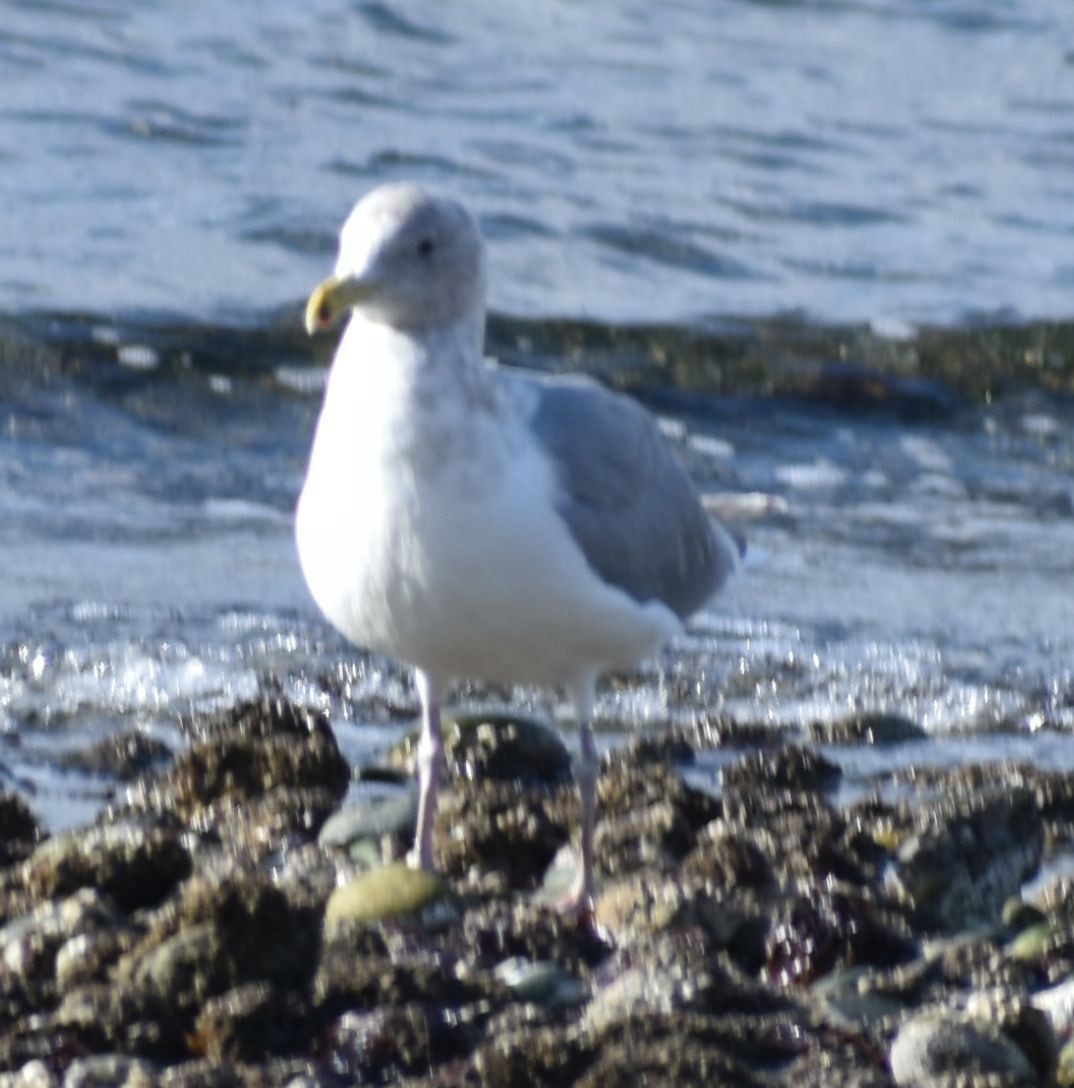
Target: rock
(29, 945)
(934, 1045)
(135, 865)
(386, 1044)
(499, 829)
(19, 830)
(110, 1071)
(480, 746)
(817, 933)
(867, 728)
(517, 927)
(369, 983)
(967, 857)
(642, 906)
(246, 1023)
(391, 892)
(544, 981)
(373, 826)
(121, 755)
(789, 768)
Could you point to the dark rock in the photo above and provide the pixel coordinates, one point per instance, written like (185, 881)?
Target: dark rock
(729, 859)
(867, 728)
(247, 1023)
(480, 746)
(363, 985)
(499, 929)
(19, 831)
(135, 865)
(967, 856)
(245, 754)
(827, 929)
(122, 755)
(789, 768)
(385, 1044)
(499, 828)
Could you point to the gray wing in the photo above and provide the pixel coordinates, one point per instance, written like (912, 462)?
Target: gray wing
(627, 500)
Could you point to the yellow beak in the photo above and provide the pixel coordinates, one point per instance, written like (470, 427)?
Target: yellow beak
(331, 299)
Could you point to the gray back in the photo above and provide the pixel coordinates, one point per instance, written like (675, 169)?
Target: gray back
(627, 500)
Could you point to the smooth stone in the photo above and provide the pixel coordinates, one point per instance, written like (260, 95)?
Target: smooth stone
(542, 981)
(109, 1071)
(364, 824)
(933, 1045)
(1031, 943)
(390, 892)
(1057, 1003)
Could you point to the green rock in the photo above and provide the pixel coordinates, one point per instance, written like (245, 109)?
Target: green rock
(1031, 943)
(388, 893)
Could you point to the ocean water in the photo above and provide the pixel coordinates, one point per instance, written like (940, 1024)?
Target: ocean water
(741, 211)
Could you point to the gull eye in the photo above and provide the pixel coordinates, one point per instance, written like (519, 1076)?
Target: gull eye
(425, 247)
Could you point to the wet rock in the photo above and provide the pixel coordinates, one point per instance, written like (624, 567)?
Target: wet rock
(728, 859)
(110, 1071)
(501, 929)
(670, 975)
(828, 929)
(480, 746)
(365, 984)
(221, 933)
(283, 816)
(644, 906)
(1021, 1022)
(867, 728)
(29, 945)
(135, 865)
(19, 831)
(842, 1065)
(657, 835)
(664, 1063)
(391, 892)
(245, 754)
(89, 957)
(537, 1057)
(386, 1044)
(201, 1073)
(374, 828)
(789, 768)
(248, 1022)
(967, 856)
(102, 1018)
(544, 981)
(626, 787)
(122, 755)
(936, 1045)
(498, 828)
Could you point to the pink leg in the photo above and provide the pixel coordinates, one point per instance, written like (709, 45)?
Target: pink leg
(580, 898)
(587, 787)
(430, 758)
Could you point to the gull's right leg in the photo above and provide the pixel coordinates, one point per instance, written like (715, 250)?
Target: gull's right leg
(430, 760)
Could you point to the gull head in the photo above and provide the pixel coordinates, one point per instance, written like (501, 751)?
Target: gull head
(407, 258)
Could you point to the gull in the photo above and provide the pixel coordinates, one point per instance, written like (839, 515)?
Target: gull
(479, 523)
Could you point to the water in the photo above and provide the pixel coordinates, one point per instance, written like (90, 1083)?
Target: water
(888, 161)
(661, 186)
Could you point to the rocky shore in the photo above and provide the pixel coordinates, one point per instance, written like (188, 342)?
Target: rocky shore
(229, 921)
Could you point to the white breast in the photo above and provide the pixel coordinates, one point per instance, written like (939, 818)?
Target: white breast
(427, 531)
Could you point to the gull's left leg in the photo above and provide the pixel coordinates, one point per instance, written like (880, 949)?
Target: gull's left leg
(584, 692)
(430, 760)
